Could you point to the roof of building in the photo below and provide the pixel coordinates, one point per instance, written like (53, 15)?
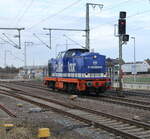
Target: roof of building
(111, 62)
(35, 67)
(137, 62)
(148, 61)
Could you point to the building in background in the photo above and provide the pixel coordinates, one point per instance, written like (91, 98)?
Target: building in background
(141, 70)
(33, 72)
(113, 68)
(141, 67)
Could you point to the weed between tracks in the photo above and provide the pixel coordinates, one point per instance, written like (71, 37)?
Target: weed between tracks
(18, 132)
(25, 130)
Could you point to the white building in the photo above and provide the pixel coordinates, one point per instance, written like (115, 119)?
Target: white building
(33, 72)
(139, 67)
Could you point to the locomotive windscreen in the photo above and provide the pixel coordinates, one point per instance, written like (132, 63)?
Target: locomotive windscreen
(74, 52)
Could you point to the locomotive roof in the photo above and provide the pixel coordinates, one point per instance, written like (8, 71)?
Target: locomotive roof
(78, 49)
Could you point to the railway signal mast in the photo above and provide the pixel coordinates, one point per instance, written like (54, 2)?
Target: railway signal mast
(123, 39)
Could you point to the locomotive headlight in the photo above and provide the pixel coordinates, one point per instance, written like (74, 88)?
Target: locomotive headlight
(95, 56)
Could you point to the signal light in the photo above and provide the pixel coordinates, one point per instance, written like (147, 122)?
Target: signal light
(125, 38)
(122, 26)
(122, 15)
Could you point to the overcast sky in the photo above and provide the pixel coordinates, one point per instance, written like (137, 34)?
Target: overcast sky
(33, 15)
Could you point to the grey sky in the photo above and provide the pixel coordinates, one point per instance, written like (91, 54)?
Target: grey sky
(36, 14)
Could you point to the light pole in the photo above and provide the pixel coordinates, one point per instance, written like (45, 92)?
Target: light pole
(56, 50)
(25, 52)
(5, 57)
(134, 70)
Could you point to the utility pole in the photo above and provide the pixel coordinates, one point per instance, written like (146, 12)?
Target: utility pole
(87, 42)
(19, 34)
(5, 57)
(120, 62)
(50, 39)
(25, 56)
(66, 45)
(87, 28)
(1, 44)
(134, 69)
(25, 52)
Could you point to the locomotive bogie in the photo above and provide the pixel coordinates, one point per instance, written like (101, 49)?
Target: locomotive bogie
(71, 85)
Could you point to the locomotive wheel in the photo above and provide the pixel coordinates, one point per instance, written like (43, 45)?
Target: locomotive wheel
(71, 87)
(51, 85)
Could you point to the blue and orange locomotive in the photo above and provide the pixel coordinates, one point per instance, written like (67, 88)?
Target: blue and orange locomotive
(78, 70)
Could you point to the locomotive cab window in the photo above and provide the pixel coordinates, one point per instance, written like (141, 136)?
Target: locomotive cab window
(61, 55)
(75, 52)
(70, 54)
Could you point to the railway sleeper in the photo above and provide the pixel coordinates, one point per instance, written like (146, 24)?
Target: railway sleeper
(124, 127)
(144, 132)
(113, 123)
(117, 124)
(144, 136)
(134, 129)
(109, 122)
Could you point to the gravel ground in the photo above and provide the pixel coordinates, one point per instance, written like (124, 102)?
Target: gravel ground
(147, 99)
(61, 127)
(3, 114)
(115, 109)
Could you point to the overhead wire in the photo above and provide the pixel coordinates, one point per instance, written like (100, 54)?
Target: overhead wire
(45, 9)
(139, 13)
(20, 11)
(111, 7)
(116, 5)
(128, 17)
(6, 41)
(10, 40)
(25, 11)
(55, 14)
(72, 4)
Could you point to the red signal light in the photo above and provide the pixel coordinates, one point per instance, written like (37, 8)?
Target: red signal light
(122, 23)
(122, 26)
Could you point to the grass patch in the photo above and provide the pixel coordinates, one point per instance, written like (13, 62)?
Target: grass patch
(144, 80)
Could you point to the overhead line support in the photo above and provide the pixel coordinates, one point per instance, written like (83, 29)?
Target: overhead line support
(87, 41)
(19, 35)
(60, 29)
(63, 29)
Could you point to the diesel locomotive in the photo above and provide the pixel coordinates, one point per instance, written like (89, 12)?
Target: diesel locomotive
(78, 70)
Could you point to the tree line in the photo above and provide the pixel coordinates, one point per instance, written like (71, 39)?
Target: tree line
(8, 69)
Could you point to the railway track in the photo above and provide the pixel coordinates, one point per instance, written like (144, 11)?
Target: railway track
(127, 102)
(132, 93)
(119, 126)
(125, 92)
(6, 110)
(144, 105)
